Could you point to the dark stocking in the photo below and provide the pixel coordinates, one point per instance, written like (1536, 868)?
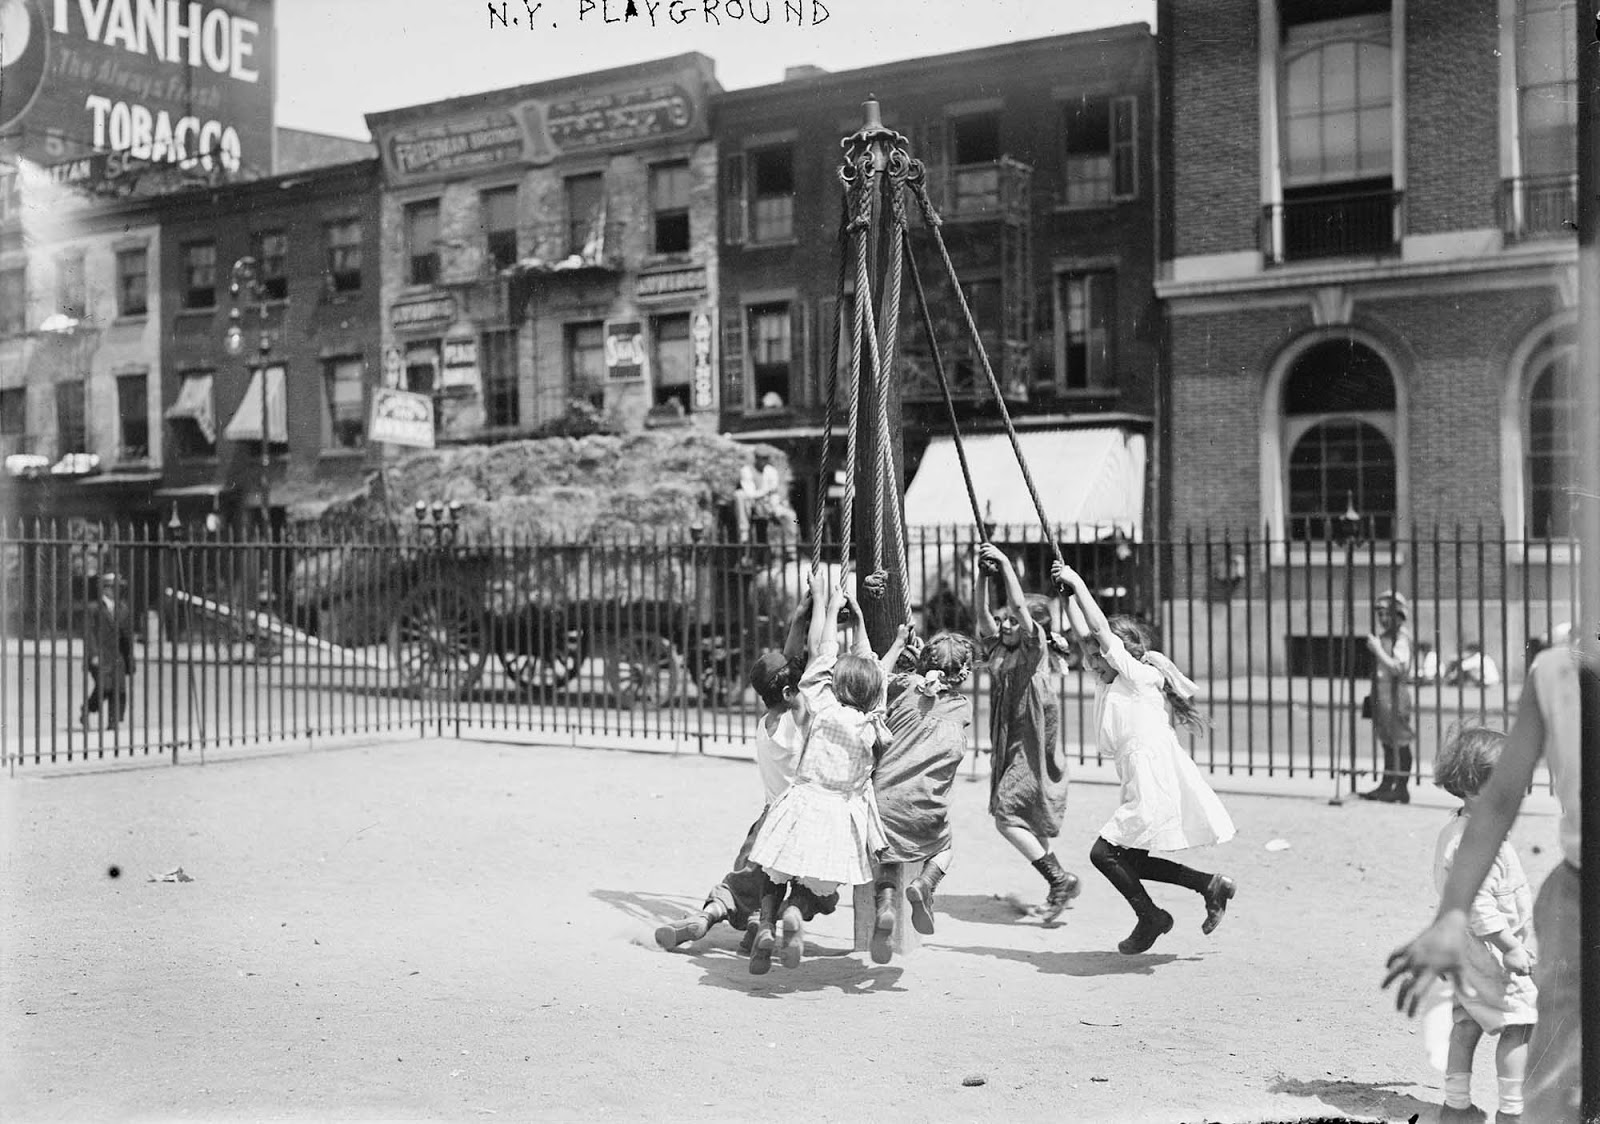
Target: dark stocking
(1150, 869)
(1110, 861)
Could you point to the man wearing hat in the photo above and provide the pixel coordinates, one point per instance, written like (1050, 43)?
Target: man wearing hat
(1390, 646)
(108, 653)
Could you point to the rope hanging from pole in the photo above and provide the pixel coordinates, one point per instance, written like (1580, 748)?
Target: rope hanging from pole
(824, 466)
(865, 174)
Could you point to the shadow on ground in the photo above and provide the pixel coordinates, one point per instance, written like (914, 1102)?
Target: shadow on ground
(987, 909)
(1090, 963)
(1375, 1099)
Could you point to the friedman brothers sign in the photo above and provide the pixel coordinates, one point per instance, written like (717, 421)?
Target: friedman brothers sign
(538, 131)
(180, 82)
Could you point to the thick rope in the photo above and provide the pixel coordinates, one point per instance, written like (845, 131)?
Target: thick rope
(863, 328)
(824, 467)
(888, 339)
(934, 223)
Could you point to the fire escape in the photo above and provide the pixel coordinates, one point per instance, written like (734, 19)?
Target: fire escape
(988, 227)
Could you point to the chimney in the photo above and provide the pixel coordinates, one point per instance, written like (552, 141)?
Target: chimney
(796, 73)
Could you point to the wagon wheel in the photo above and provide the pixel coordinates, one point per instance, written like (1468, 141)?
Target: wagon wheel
(556, 657)
(643, 668)
(437, 641)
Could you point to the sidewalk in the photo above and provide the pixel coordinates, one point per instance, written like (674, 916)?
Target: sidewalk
(459, 930)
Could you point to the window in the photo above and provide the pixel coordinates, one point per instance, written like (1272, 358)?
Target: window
(70, 295)
(669, 204)
(192, 419)
(13, 301)
(199, 275)
(771, 355)
(132, 283)
(772, 194)
(1100, 150)
(271, 251)
(1551, 454)
(975, 160)
(1337, 102)
(1085, 311)
(1339, 422)
(344, 255)
(70, 435)
(13, 412)
(673, 366)
(422, 242)
(497, 213)
(585, 214)
(501, 398)
(422, 367)
(344, 384)
(586, 362)
(1547, 88)
(133, 417)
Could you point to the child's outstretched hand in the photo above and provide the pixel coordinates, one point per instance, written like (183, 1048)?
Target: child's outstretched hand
(1519, 961)
(1065, 576)
(992, 558)
(1436, 951)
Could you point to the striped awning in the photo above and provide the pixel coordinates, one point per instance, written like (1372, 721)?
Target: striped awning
(246, 423)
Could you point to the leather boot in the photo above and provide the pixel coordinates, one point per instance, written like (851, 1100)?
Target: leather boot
(691, 928)
(920, 896)
(887, 900)
(766, 937)
(791, 935)
(1217, 893)
(1152, 924)
(1063, 886)
(1387, 783)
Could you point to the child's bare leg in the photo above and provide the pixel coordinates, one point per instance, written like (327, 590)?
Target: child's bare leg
(1025, 841)
(1464, 1036)
(1511, 1063)
(920, 892)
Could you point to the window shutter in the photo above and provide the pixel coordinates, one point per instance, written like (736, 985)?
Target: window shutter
(733, 358)
(1101, 324)
(735, 200)
(1125, 147)
(802, 372)
(827, 318)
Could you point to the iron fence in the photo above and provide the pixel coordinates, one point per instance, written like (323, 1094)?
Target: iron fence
(238, 641)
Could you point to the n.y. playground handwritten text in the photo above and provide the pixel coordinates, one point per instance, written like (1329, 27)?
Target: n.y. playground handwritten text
(537, 14)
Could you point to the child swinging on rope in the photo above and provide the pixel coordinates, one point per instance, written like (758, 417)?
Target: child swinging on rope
(928, 720)
(1166, 803)
(1028, 777)
(824, 831)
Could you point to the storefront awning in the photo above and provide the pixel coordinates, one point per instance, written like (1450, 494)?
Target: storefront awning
(1091, 482)
(246, 423)
(194, 403)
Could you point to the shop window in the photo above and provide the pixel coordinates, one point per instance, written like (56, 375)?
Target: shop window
(133, 417)
(199, 275)
(13, 301)
(422, 242)
(71, 436)
(133, 283)
(586, 362)
(772, 195)
(497, 212)
(70, 290)
(344, 384)
(585, 214)
(422, 367)
(672, 365)
(669, 205)
(502, 400)
(343, 243)
(271, 251)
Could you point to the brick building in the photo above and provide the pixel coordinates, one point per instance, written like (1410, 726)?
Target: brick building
(1040, 158)
(552, 244)
(315, 237)
(1368, 275)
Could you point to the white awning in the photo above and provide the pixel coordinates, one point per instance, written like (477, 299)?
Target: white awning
(246, 423)
(1090, 481)
(194, 402)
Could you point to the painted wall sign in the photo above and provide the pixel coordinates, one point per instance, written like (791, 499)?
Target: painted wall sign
(461, 353)
(540, 130)
(704, 384)
(417, 314)
(401, 418)
(184, 82)
(675, 281)
(625, 353)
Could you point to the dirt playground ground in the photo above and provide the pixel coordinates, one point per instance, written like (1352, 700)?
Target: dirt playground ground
(461, 931)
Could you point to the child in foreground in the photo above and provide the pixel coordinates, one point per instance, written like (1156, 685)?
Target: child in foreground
(1497, 996)
(1166, 803)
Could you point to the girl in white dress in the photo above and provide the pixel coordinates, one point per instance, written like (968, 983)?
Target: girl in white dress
(1166, 803)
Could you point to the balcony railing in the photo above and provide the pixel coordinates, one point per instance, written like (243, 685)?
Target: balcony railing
(1333, 225)
(996, 190)
(1539, 207)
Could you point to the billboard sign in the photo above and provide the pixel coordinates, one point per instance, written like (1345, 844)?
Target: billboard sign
(187, 83)
(625, 354)
(401, 418)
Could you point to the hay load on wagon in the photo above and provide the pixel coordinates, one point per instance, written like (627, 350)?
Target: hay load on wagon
(563, 549)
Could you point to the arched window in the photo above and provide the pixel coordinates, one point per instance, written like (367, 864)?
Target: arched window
(1550, 450)
(1339, 427)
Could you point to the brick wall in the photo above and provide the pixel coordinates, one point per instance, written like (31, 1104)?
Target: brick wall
(1216, 126)
(1452, 115)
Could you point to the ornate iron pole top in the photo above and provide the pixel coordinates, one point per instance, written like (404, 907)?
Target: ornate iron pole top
(874, 149)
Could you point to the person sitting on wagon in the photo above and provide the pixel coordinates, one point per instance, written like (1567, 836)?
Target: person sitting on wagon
(758, 495)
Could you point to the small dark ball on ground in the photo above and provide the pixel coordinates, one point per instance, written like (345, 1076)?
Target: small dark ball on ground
(114, 871)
